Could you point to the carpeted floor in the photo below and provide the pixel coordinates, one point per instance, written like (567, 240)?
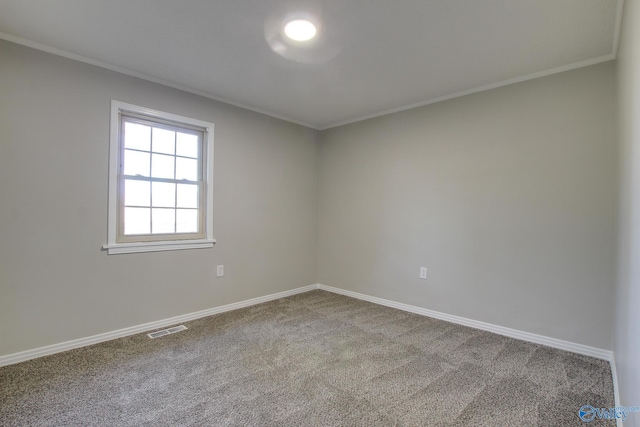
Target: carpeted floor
(313, 359)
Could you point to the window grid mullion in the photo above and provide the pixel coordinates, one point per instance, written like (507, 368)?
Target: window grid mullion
(162, 154)
(175, 187)
(168, 180)
(202, 150)
(161, 207)
(151, 182)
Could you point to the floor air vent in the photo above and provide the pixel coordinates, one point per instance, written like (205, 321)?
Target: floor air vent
(164, 332)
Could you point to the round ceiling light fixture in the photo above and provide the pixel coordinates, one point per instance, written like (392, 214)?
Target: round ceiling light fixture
(300, 30)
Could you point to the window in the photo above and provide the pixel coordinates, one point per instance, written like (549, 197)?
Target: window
(160, 181)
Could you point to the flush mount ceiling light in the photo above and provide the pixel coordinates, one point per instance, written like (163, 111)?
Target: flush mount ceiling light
(300, 30)
(300, 36)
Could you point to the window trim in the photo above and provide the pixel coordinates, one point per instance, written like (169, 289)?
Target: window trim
(115, 247)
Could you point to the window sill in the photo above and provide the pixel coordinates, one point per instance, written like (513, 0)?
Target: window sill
(175, 245)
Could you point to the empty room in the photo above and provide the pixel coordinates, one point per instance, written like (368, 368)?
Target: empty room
(320, 213)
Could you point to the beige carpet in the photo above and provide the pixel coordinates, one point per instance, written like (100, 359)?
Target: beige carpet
(314, 359)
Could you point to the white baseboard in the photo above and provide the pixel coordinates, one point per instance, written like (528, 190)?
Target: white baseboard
(500, 330)
(616, 391)
(81, 342)
(513, 333)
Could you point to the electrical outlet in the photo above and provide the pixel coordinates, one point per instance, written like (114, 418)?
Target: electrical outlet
(423, 273)
(220, 271)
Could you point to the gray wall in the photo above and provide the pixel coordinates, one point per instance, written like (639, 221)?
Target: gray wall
(55, 282)
(627, 321)
(507, 196)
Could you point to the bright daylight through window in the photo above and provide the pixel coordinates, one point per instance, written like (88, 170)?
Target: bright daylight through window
(160, 186)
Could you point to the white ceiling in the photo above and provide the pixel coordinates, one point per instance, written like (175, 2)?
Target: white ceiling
(371, 57)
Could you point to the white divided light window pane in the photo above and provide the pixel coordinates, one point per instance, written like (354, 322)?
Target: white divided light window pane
(187, 221)
(159, 189)
(162, 166)
(164, 141)
(187, 145)
(186, 169)
(187, 196)
(163, 220)
(137, 136)
(136, 163)
(163, 194)
(137, 221)
(136, 193)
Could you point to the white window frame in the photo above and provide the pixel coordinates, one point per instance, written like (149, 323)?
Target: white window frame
(113, 246)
